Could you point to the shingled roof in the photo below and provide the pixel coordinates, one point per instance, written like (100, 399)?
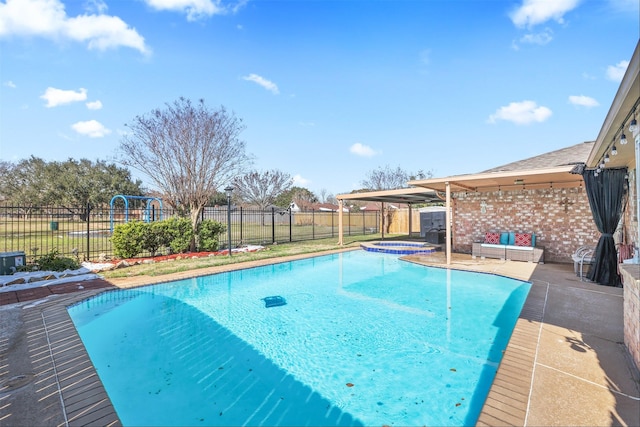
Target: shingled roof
(575, 154)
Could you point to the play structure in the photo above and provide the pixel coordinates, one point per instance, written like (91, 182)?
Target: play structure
(148, 214)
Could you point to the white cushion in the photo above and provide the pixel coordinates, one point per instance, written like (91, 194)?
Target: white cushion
(521, 248)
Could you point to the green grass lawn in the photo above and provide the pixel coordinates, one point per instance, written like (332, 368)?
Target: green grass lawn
(271, 251)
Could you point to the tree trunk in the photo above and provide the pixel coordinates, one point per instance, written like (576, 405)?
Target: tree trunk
(196, 214)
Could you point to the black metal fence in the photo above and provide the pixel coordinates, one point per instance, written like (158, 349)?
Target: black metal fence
(85, 232)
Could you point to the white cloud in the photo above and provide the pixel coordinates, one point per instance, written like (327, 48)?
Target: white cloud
(362, 150)
(584, 101)
(10, 84)
(535, 12)
(94, 105)
(541, 38)
(521, 113)
(616, 72)
(194, 9)
(91, 128)
(299, 181)
(48, 19)
(96, 6)
(55, 97)
(267, 84)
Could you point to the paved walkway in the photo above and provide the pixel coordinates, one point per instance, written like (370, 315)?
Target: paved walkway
(23, 295)
(564, 365)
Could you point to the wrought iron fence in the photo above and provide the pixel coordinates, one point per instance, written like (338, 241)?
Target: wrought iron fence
(85, 232)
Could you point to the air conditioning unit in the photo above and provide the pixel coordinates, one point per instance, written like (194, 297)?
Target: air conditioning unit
(10, 261)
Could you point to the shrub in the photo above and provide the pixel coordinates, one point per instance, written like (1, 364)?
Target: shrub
(208, 232)
(128, 239)
(178, 233)
(134, 237)
(155, 236)
(54, 262)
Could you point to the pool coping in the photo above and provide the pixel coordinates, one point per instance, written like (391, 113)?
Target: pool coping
(66, 389)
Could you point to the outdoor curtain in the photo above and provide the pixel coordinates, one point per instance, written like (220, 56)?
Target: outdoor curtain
(606, 194)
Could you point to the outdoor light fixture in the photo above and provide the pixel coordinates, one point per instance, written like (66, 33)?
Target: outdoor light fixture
(623, 139)
(606, 158)
(633, 126)
(614, 150)
(229, 190)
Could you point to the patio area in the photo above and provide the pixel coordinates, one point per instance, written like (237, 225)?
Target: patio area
(565, 363)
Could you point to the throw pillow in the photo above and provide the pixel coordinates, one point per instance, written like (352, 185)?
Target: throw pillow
(504, 238)
(512, 238)
(523, 239)
(492, 238)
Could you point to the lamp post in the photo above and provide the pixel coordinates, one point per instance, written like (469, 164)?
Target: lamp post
(228, 190)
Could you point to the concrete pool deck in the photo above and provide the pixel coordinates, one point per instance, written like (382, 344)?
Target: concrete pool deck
(565, 363)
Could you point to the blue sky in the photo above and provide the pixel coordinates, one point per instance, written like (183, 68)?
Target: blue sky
(328, 90)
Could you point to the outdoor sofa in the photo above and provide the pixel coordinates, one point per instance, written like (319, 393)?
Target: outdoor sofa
(510, 246)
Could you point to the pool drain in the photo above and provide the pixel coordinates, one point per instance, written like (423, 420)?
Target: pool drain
(274, 301)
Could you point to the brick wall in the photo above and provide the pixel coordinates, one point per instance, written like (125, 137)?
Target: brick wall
(560, 218)
(632, 311)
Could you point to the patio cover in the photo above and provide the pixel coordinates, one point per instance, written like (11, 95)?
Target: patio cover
(439, 189)
(401, 195)
(551, 177)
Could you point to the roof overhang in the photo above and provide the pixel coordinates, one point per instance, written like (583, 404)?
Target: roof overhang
(402, 195)
(618, 117)
(556, 177)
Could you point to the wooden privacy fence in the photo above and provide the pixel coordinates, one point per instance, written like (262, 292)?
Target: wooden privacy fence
(400, 221)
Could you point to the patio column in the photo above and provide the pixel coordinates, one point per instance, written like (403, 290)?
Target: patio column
(409, 220)
(340, 207)
(382, 220)
(448, 219)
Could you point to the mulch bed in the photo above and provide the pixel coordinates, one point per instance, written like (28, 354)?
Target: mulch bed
(189, 255)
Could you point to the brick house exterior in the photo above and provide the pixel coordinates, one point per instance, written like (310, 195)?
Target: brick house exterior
(560, 218)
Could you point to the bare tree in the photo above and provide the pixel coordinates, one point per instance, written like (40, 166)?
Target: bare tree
(388, 179)
(323, 195)
(188, 151)
(385, 178)
(262, 188)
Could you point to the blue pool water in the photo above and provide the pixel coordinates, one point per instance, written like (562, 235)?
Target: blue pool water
(363, 339)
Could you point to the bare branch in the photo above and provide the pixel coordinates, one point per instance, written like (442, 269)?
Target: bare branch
(188, 151)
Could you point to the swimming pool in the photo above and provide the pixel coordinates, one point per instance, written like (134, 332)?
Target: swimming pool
(363, 339)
